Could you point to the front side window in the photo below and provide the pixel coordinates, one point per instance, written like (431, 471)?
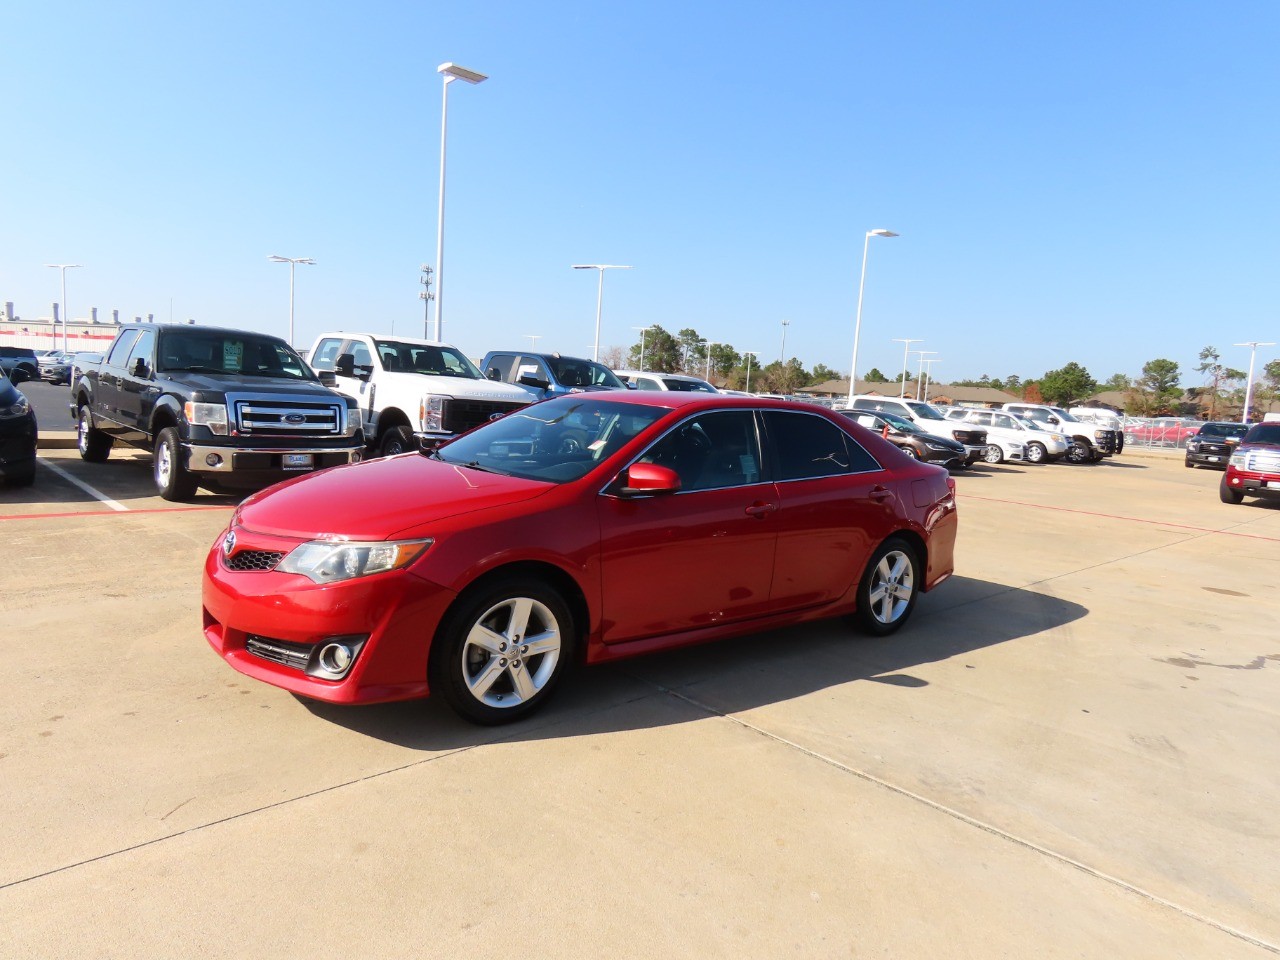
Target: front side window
(689, 386)
(326, 353)
(501, 364)
(923, 411)
(584, 373)
(711, 451)
(807, 446)
(142, 349)
(120, 349)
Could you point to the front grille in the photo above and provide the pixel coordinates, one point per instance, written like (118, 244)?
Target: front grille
(1262, 461)
(460, 415)
(253, 560)
(973, 438)
(294, 655)
(262, 416)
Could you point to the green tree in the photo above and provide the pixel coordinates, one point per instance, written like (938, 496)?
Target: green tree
(822, 373)
(1156, 393)
(875, 376)
(662, 353)
(1012, 383)
(1117, 381)
(1218, 378)
(690, 345)
(1068, 384)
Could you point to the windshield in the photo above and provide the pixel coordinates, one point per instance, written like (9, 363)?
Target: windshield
(1032, 425)
(924, 411)
(1063, 415)
(1263, 433)
(1224, 430)
(557, 440)
(571, 372)
(433, 359)
(228, 351)
(689, 386)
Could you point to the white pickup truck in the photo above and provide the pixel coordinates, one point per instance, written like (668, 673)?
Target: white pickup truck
(412, 393)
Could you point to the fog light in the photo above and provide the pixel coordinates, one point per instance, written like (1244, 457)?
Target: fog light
(213, 459)
(356, 456)
(335, 658)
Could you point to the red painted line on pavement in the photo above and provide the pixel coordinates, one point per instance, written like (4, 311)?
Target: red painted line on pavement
(109, 513)
(1115, 516)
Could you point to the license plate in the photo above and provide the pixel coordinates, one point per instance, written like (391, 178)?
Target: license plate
(297, 461)
(1273, 484)
(1213, 459)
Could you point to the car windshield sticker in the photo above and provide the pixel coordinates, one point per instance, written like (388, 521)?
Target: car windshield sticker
(232, 354)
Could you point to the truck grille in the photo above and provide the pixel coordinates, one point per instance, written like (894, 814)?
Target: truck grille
(1262, 461)
(295, 655)
(460, 415)
(972, 438)
(262, 416)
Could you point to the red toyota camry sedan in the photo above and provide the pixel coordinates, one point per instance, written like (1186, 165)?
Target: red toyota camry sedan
(581, 529)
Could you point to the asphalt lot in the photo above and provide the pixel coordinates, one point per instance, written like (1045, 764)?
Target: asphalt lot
(1071, 751)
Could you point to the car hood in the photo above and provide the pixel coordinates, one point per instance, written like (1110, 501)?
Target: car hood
(377, 499)
(223, 383)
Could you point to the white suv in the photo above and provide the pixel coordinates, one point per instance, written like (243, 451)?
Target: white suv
(646, 380)
(928, 419)
(1038, 445)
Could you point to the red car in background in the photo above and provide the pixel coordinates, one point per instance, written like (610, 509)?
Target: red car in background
(1162, 432)
(588, 527)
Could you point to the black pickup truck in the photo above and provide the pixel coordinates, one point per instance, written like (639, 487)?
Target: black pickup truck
(218, 408)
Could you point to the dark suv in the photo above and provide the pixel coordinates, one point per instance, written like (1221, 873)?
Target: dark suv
(19, 363)
(1212, 445)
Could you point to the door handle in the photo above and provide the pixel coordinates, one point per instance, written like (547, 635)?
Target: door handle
(759, 510)
(880, 493)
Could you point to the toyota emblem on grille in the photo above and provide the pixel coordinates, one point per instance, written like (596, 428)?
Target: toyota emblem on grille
(294, 418)
(228, 543)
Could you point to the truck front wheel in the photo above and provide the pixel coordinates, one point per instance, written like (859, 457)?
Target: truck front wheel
(173, 480)
(1079, 451)
(93, 444)
(396, 440)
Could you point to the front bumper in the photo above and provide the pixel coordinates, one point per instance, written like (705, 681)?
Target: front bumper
(973, 453)
(397, 611)
(1265, 485)
(219, 460)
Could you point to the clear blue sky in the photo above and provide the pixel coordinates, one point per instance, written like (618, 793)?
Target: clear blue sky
(1088, 181)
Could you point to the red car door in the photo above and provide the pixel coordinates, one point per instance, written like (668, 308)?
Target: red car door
(698, 557)
(835, 505)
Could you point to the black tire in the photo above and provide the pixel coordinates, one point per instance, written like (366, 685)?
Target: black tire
(1036, 453)
(888, 589)
(1190, 465)
(472, 663)
(173, 480)
(993, 454)
(396, 440)
(1227, 495)
(1080, 451)
(22, 478)
(22, 373)
(93, 444)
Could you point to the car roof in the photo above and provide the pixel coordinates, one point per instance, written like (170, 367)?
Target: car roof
(655, 373)
(680, 400)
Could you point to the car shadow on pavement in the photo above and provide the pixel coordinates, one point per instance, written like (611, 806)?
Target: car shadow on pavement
(732, 676)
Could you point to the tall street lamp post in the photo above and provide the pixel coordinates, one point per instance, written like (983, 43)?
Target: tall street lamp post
(602, 267)
(782, 357)
(928, 371)
(1253, 346)
(292, 262)
(710, 344)
(748, 354)
(919, 376)
(857, 325)
(642, 330)
(450, 72)
(906, 345)
(533, 339)
(64, 267)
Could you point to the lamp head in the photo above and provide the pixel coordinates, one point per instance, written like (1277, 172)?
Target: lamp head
(453, 71)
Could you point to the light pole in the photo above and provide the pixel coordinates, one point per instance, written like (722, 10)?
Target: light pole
(748, 354)
(928, 371)
(602, 267)
(782, 357)
(710, 344)
(64, 267)
(857, 325)
(451, 72)
(921, 355)
(292, 262)
(642, 333)
(906, 345)
(426, 296)
(533, 339)
(1253, 346)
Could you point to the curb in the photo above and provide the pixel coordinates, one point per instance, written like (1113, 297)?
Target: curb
(56, 440)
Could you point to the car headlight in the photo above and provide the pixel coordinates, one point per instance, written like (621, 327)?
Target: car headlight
(936, 446)
(1237, 460)
(431, 413)
(327, 561)
(1192, 446)
(19, 408)
(211, 415)
(355, 421)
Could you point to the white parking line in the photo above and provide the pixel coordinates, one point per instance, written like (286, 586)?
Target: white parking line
(96, 494)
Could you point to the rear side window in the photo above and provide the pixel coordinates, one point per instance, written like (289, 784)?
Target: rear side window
(120, 349)
(646, 383)
(808, 446)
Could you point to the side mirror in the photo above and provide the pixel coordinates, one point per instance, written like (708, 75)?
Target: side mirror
(345, 365)
(139, 367)
(1054, 420)
(649, 479)
(493, 374)
(529, 380)
(327, 377)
